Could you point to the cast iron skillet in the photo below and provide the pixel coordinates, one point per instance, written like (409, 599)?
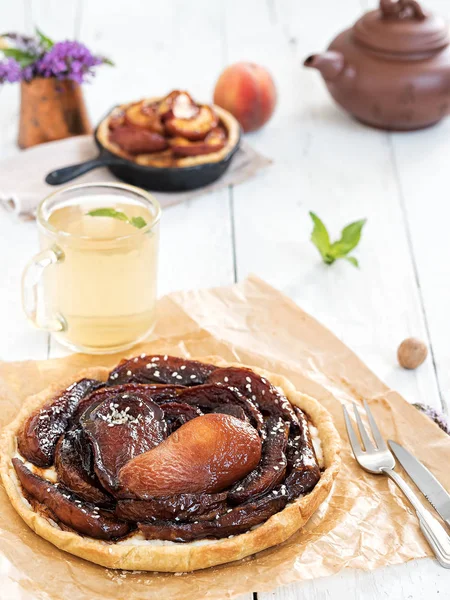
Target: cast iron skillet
(163, 179)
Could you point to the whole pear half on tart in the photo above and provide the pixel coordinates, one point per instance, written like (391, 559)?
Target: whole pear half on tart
(201, 432)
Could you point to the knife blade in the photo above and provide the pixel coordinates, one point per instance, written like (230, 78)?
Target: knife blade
(427, 483)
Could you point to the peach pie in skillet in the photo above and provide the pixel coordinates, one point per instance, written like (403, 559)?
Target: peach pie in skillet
(173, 131)
(167, 144)
(169, 464)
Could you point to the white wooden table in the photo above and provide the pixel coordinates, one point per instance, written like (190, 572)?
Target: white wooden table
(323, 161)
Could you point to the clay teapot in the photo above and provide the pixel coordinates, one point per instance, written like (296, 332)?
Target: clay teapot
(392, 68)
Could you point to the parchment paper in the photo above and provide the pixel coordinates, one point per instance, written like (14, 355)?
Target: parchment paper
(365, 524)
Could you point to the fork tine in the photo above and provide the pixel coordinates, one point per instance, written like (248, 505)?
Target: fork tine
(368, 444)
(354, 442)
(375, 431)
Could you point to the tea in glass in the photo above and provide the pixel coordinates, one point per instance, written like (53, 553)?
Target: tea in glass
(96, 275)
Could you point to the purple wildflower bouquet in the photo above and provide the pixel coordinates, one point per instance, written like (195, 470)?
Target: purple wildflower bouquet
(28, 57)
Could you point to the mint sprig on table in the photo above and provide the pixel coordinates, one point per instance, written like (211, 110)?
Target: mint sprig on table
(138, 222)
(330, 252)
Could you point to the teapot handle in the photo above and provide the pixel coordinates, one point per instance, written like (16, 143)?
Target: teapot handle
(402, 9)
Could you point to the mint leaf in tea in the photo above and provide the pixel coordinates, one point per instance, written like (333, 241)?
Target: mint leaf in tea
(138, 222)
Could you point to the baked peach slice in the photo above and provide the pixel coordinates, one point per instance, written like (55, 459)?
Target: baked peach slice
(214, 141)
(116, 119)
(205, 455)
(196, 128)
(145, 115)
(178, 105)
(137, 140)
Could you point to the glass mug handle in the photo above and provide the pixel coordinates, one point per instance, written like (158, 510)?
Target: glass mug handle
(31, 284)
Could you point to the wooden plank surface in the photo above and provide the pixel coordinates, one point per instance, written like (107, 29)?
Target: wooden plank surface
(421, 164)
(326, 162)
(417, 580)
(323, 161)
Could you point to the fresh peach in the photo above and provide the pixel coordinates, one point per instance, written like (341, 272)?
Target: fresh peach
(144, 115)
(137, 140)
(195, 128)
(248, 92)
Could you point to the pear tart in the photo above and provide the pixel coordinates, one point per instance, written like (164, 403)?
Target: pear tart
(173, 131)
(169, 464)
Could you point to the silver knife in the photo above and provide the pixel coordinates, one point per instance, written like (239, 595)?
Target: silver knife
(427, 483)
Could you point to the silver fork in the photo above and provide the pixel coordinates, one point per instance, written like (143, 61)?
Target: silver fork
(378, 459)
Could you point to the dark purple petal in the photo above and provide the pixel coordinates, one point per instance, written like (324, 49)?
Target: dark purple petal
(68, 60)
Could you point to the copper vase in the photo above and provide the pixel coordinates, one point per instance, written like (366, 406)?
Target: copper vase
(51, 110)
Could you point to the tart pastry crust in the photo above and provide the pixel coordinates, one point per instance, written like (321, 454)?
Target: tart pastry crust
(134, 554)
(165, 158)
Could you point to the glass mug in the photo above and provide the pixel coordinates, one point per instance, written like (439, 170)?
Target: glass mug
(93, 285)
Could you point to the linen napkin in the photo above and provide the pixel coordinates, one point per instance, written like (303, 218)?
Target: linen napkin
(22, 177)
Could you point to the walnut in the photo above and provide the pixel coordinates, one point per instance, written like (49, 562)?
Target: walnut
(411, 353)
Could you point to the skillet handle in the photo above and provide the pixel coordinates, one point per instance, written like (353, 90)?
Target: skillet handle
(66, 174)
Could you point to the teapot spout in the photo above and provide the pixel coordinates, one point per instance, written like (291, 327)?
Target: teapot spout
(330, 64)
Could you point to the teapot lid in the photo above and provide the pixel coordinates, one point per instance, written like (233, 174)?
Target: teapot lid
(401, 27)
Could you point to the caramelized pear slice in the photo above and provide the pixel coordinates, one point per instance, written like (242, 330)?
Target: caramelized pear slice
(213, 142)
(269, 400)
(161, 369)
(231, 409)
(82, 517)
(183, 507)
(305, 471)
(216, 398)
(205, 455)
(155, 393)
(41, 431)
(74, 466)
(120, 429)
(137, 140)
(146, 116)
(271, 468)
(177, 414)
(239, 520)
(196, 128)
